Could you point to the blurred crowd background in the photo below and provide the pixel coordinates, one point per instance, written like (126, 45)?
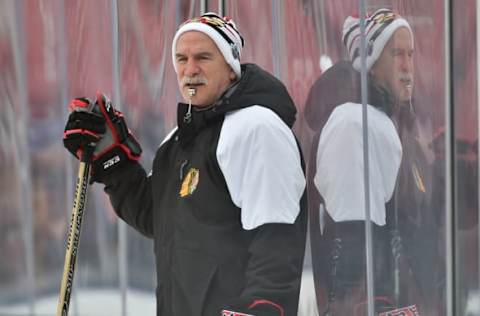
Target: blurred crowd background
(54, 50)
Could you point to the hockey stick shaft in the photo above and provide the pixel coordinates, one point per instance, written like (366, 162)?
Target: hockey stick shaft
(73, 238)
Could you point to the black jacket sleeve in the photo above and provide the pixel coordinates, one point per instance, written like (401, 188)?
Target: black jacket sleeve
(131, 197)
(274, 270)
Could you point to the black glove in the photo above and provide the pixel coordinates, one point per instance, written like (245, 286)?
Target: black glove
(99, 129)
(84, 128)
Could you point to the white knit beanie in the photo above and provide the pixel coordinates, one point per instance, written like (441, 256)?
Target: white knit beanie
(222, 31)
(379, 27)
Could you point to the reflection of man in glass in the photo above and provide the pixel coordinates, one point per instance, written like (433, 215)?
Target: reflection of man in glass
(339, 174)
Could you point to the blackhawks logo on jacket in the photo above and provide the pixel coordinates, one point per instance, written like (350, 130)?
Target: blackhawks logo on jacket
(190, 182)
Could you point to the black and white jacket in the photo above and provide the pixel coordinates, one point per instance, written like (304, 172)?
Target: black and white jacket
(224, 204)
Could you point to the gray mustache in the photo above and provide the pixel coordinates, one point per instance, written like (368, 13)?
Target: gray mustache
(406, 77)
(193, 80)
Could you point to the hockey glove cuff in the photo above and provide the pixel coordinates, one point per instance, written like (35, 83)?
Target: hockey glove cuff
(117, 147)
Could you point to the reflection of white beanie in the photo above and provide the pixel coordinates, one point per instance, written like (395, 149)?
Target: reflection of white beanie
(379, 27)
(222, 31)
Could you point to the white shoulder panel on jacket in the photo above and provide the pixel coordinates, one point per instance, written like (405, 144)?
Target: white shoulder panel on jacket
(260, 161)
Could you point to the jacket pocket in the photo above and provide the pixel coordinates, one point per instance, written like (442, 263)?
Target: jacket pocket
(192, 277)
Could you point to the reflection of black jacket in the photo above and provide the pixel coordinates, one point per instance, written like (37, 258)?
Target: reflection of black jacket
(205, 260)
(339, 254)
(408, 213)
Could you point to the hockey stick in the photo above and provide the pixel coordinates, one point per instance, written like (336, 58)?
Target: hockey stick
(74, 236)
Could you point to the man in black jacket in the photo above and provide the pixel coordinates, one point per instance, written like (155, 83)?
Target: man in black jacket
(224, 200)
